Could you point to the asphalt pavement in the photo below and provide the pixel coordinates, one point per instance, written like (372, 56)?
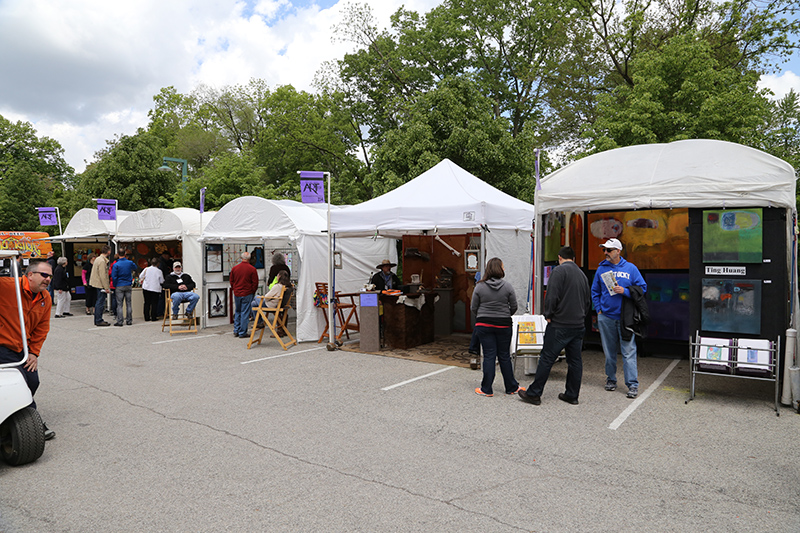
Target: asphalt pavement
(198, 433)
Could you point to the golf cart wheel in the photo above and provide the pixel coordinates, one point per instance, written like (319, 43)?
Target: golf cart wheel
(22, 437)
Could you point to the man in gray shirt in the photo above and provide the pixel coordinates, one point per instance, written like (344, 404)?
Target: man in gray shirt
(565, 308)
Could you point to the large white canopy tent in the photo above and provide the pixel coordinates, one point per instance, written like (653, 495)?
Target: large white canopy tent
(180, 224)
(85, 226)
(697, 173)
(447, 199)
(252, 219)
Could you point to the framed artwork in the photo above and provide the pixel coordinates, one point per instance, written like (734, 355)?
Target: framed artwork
(668, 301)
(733, 235)
(337, 260)
(652, 239)
(714, 354)
(217, 302)
(257, 254)
(731, 306)
(213, 258)
(553, 235)
(472, 260)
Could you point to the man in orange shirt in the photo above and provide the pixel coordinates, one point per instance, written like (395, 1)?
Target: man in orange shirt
(36, 305)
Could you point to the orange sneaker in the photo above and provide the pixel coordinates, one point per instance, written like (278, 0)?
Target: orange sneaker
(516, 391)
(479, 392)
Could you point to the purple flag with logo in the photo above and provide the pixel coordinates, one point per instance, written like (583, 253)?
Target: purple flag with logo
(106, 209)
(47, 216)
(202, 200)
(312, 187)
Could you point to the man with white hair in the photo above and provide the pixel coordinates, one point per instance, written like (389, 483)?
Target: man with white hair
(181, 286)
(244, 283)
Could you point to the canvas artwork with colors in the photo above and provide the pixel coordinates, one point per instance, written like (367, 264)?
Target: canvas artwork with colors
(733, 235)
(731, 306)
(651, 238)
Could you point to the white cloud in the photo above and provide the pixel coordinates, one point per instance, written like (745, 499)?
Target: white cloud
(780, 84)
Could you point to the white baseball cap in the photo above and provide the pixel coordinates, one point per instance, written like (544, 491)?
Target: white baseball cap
(612, 243)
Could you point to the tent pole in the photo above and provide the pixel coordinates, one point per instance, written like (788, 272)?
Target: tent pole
(331, 287)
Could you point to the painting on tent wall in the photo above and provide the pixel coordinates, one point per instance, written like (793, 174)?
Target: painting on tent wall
(652, 239)
(553, 235)
(732, 235)
(668, 302)
(575, 236)
(731, 306)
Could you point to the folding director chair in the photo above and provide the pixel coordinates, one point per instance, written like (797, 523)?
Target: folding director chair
(279, 308)
(347, 312)
(182, 324)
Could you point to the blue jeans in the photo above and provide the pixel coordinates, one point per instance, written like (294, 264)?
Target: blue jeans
(496, 342)
(179, 297)
(556, 339)
(611, 337)
(241, 313)
(99, 306)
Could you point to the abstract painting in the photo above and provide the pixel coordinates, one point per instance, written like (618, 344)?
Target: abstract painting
(733, 235)
(651, 238)
(731, 306)
(668, 302)
(576, 236)
(553, 235)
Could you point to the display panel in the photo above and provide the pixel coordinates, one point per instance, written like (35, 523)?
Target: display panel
(651, 238)
(731, 306)
(733, 236)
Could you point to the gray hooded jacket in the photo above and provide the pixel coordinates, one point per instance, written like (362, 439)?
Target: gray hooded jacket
(494, 299)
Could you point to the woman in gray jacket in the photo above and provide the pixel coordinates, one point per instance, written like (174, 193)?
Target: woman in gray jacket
(493, 303)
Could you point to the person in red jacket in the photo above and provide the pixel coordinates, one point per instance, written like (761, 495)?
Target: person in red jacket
(244, 283)
(36, 306)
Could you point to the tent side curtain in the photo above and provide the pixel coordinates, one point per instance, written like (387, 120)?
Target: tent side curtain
(693, 173)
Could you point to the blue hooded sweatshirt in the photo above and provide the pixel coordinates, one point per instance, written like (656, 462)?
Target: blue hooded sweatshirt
(626, 275)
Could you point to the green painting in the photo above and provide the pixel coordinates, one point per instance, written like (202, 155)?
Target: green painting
(553, 235)
(733, 235)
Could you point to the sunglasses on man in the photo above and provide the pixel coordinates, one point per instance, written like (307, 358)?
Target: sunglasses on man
(45, 275)
(608, 249)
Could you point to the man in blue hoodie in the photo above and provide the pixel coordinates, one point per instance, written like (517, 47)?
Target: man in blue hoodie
(122, 274)
(610, 285)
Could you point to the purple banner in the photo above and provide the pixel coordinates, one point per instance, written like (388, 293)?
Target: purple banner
(202, 200)
(47, 216)
(312, 191)
(312, 175)
(106, 209)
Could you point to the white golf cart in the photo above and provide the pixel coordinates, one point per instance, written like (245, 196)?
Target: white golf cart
(21, 427)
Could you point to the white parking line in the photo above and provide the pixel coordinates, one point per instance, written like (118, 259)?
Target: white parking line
(418, 378)
(280, 355)
(185, 339)
(640, 400)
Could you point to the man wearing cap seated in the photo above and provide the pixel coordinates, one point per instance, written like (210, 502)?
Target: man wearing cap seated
(181, 285)
(385, 279)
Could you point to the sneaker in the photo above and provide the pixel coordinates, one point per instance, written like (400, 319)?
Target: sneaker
(479, 392)
(564, 398)
(611, 385)
(633, 392)
(102, 324)
(48, 433)
(516, 391)
(525, 397)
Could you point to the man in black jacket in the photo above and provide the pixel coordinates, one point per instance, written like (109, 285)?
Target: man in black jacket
(181, 285)
(565, 307)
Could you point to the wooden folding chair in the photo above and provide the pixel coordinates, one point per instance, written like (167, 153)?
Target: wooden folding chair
(279, 307)
(350, 323)
(189, 323)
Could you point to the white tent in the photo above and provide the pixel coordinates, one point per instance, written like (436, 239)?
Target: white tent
(181, 224)
(252, 219)
(693, 173)
(84, 225)
(447, 199)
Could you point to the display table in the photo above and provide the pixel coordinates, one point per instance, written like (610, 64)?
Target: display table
(406, 326)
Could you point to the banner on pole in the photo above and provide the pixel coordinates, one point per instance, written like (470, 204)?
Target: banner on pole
(106, 209)
(47, 216)
(202, 200)
(312, 187)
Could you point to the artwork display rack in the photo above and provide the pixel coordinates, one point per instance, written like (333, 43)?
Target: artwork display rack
(695, 360)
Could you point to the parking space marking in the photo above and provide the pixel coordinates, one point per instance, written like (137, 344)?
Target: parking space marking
(390, 387)
(185, 339)
(640, 400)
(280, 355)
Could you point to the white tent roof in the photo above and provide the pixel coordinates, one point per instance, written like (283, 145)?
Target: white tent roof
(446, 198)
(251, 218)
(85, 224)
(691, 173)
(163, 224)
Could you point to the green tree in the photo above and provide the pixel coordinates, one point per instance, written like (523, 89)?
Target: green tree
(680, 92)
(127, 170)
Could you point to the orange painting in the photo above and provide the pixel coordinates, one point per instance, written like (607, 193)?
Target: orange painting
(26, 242)
(576, 236)
(652, 239)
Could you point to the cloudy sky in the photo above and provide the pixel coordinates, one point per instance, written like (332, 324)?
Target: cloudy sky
(83, 71)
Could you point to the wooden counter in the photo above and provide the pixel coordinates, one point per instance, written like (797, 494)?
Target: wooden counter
(406, 326)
